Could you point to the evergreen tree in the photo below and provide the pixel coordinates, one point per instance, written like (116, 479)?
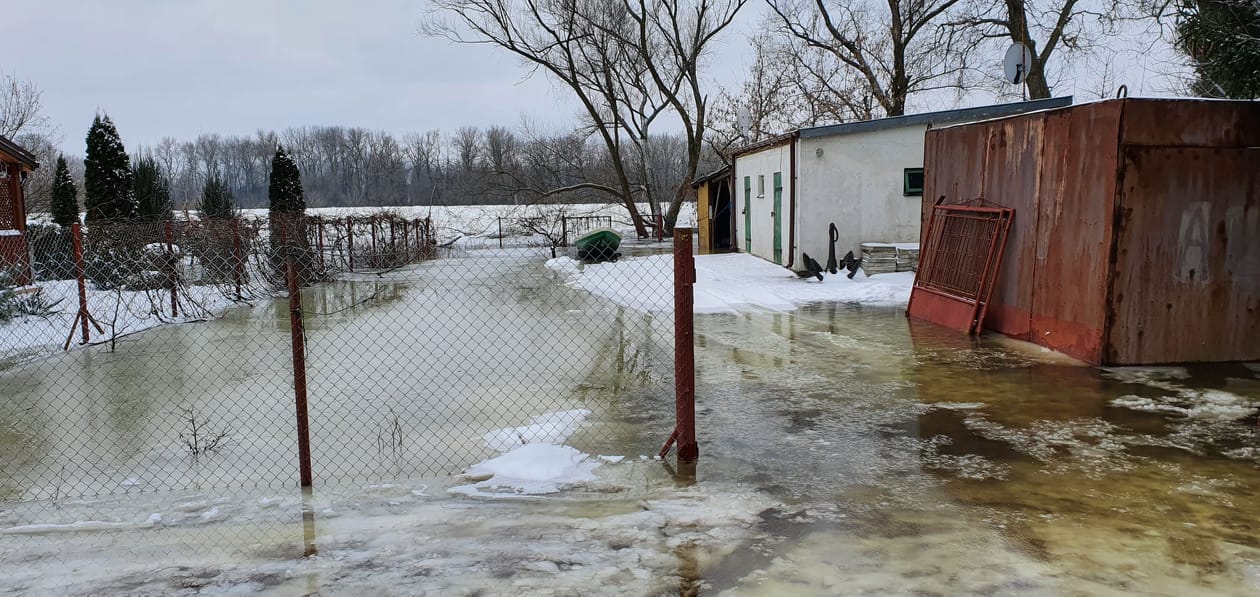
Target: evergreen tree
(217, 202)
(108, 193)
(65, 198)
(286, 218)
(1222, 37)
(152, 191)
(284, 189)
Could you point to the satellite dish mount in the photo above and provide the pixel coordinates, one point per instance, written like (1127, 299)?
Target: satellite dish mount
(1018, 62)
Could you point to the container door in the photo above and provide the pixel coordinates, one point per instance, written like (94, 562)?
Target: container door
(778, 218)
(748, 214)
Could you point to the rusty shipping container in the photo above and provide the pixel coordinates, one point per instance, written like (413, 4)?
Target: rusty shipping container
(1136, 237)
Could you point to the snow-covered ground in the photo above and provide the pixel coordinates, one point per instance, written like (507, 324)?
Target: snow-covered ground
(118, 313)
(729, 283)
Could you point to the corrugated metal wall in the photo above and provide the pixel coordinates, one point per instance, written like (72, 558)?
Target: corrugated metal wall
(1066, 283)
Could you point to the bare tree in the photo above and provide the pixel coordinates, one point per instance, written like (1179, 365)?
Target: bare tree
(22, 120)
(887, 50)
(1052, 30)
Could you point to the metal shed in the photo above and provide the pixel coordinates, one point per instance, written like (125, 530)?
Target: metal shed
(1136, 237)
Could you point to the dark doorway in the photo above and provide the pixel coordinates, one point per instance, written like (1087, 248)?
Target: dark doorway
(723, 216)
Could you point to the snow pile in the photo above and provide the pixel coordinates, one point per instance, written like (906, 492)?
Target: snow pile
(532, 469)
(550, 428)
(728, 284)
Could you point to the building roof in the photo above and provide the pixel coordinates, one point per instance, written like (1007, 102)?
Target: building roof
(16, 152)
(764, 143)
(936, 118)
(716, 174)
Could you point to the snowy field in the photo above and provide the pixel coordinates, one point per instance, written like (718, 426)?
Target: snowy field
(731, 283)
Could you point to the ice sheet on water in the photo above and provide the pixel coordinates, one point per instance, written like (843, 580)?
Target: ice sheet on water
(549, 428)
(1209, 406)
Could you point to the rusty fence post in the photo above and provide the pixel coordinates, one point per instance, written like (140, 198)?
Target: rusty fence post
(238, 258)
(297, 335)
(80, 275)
(684, 350)
(172, 270)
(500, 219)
(350, 242)
(319, 240)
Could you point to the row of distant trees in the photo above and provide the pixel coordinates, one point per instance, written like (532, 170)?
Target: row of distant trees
(345, 166)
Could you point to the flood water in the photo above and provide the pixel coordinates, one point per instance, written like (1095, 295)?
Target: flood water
(844, 450)
(928, 462)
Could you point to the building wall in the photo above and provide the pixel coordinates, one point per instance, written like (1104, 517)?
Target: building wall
(763, 163)
(857, 184)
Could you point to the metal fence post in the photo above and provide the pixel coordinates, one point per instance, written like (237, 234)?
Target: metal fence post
(297, 335)
(350, 242)
(80, 275)
(684, 350)
(173, 273)
(500, 218)
(238, 257)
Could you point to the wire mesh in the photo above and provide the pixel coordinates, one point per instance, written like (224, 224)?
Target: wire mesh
(160, 356)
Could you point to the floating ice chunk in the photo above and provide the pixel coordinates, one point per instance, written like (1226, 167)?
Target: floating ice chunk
(155, 519)
(612, 459)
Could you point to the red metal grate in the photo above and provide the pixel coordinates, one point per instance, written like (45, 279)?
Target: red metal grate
(959, 264)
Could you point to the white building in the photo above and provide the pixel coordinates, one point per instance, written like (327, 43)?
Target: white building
(864, 177)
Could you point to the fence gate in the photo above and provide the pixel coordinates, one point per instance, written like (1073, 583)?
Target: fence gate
(959, 263)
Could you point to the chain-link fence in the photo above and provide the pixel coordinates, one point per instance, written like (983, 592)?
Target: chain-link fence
(162, 356)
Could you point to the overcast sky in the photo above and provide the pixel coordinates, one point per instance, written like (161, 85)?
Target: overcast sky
(179, 68)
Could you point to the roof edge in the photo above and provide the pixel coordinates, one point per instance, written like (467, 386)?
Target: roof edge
(764, 144)
(19, 153)
(941, 117)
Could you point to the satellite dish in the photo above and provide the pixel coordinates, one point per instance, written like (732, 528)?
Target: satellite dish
(743, 119)
(1017, 63)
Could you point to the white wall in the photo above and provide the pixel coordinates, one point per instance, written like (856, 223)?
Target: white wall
(857, 184)
(763, 163)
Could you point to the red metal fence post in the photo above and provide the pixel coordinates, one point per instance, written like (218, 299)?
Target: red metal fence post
(319, 242)
(238, 257)
(684, 350)
(350, 241)
(173, 273)
(80, 274)
(297, 334)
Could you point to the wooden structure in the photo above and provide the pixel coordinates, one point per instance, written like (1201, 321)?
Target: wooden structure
(1136, 237)
(715, 212)
(15, 163)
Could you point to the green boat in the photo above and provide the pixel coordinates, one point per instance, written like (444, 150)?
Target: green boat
(598, 245)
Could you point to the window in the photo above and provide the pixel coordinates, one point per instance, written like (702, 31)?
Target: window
(761, 185)
(912, 182)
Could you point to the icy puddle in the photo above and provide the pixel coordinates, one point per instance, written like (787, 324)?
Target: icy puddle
(844, 451)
